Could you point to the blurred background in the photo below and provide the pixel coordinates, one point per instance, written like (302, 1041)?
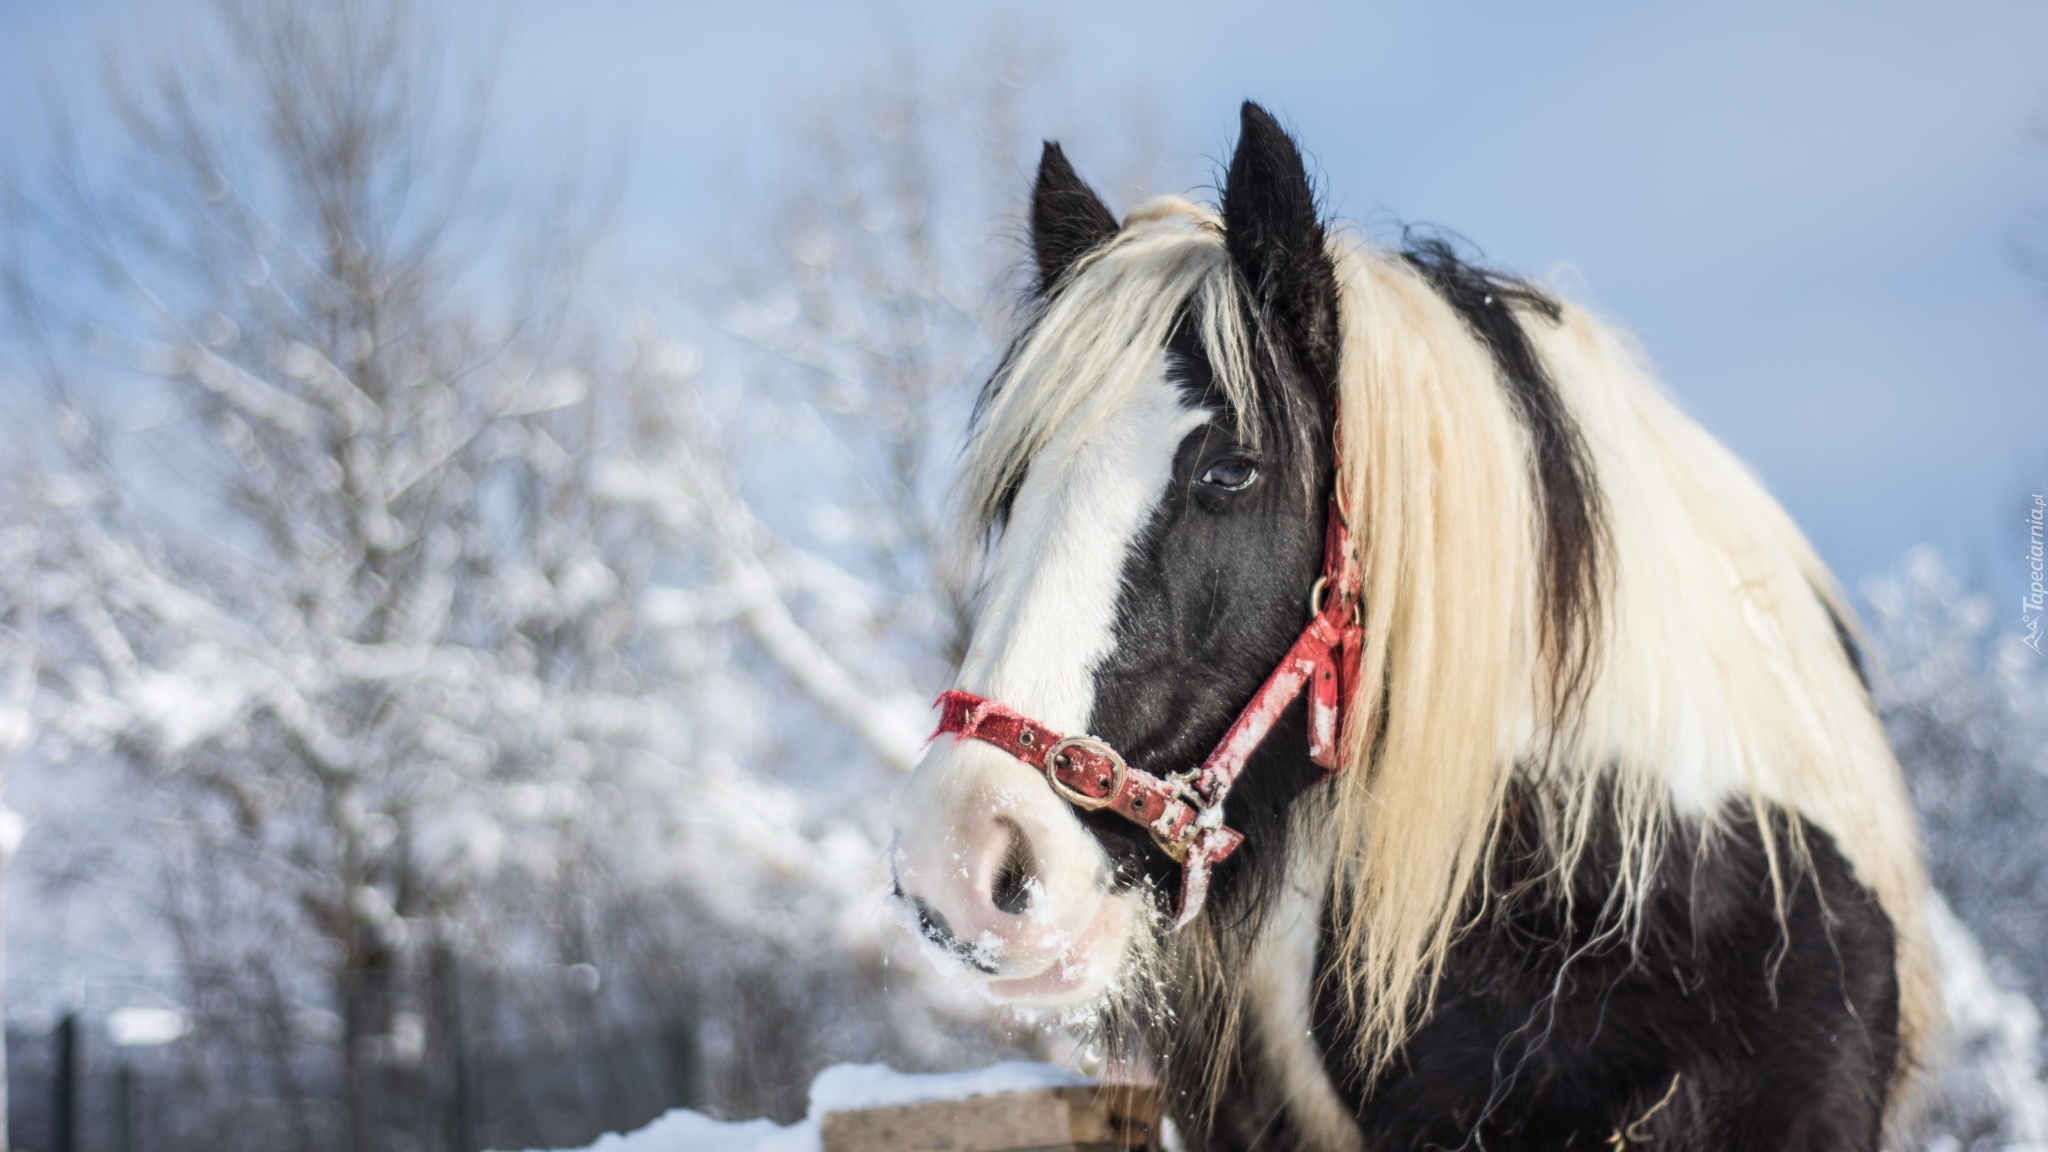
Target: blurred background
(475, 538)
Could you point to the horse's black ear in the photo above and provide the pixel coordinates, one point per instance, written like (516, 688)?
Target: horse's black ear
(1276, 240)
(1068, 220)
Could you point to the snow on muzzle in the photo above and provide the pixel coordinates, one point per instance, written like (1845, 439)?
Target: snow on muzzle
(1002, 882)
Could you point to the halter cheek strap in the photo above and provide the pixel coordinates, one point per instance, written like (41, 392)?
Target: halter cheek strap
(1184, 810)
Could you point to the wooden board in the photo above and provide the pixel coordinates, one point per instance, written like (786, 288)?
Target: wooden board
(1112, 1117)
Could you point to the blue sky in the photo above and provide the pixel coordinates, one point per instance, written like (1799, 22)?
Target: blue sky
(1808, 213)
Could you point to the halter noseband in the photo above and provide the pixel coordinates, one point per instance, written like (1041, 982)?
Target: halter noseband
(1184, 811)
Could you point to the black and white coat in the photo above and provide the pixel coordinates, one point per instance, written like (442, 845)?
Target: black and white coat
(1619, 850)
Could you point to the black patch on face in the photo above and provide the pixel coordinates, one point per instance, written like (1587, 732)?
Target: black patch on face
(1214, 592)
(1574, 524)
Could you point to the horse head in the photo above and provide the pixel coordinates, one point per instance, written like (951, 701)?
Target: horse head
(1153, 461)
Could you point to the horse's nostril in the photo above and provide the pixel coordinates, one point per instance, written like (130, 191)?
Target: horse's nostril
(1011, 888)
(932, 924)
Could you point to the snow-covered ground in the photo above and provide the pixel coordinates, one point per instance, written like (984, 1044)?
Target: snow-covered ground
(840, 1088)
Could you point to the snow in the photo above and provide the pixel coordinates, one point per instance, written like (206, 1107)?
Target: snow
(685, 1131)
(143, 1027)
(840, 1088)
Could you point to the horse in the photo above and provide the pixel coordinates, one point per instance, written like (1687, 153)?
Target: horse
(1387, 706)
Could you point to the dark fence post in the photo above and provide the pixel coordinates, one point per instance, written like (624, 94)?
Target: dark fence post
(124, 1117)
(679, 1044)
(64, 1121)
(461, 1106)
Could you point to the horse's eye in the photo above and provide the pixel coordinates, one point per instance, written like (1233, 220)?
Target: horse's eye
(1232, 474)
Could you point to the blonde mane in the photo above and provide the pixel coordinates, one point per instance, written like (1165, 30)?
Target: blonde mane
(1716, 669)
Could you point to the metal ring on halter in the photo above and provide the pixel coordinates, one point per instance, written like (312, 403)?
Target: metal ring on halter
(1315, 595)
(1081, 800)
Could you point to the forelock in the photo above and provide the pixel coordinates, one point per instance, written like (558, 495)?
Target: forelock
(1087, 349)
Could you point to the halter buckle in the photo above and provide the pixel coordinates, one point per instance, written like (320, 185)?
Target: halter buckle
(1081, 800)
(1176, 848)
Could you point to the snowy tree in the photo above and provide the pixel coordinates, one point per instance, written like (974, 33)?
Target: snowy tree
(1967, 710)
(312, 673)
(354, 610)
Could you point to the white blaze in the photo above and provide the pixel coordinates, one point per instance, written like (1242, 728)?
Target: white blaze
(1050, 617)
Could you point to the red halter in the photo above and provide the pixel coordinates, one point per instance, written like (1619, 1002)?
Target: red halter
(1184, 811)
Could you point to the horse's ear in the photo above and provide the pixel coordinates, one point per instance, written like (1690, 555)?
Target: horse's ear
(1068, 220)
(1277, 242)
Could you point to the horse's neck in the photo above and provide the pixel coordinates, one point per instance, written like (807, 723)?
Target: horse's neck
(1281, 999)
